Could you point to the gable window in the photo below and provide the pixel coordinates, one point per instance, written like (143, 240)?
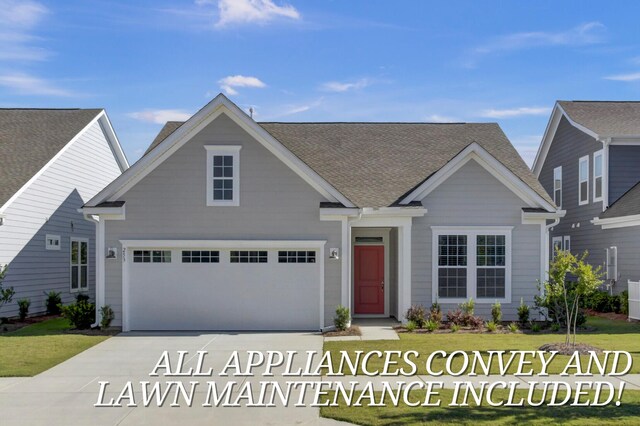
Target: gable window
(79, 264)
(223, 175)
(557, 186)
(52, 242)
(583, 180)
(597, 176)
(472, 263)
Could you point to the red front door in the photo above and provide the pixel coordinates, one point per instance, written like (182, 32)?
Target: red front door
(369, 279)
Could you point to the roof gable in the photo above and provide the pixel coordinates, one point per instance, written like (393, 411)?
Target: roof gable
(30, 139)
(177, 137)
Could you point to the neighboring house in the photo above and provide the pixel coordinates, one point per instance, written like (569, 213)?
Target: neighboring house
(589, 160)
(230, 224)
(51, 162)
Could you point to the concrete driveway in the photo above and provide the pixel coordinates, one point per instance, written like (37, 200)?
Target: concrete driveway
(66, 394)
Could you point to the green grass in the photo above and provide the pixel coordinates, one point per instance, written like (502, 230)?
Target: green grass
(608, 335)
(625, 414)
(38, 347)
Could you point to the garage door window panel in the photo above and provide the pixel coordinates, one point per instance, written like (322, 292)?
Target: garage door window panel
(298, 256)
(200, 256)
(249, 256)
(152, 256)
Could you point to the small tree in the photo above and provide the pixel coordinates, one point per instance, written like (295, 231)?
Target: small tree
(6, 294)
(562, 297)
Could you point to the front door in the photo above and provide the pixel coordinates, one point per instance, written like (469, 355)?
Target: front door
(369, 279)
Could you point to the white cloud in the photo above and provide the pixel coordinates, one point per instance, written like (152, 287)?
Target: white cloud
(337, 86)
(437, 118)
(160, 116)
(228, 84)
(514, 112)
(251, 11)
(624, 77)
(17, 21)
(29, 85)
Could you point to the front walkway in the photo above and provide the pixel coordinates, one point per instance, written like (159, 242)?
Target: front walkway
(371, 329)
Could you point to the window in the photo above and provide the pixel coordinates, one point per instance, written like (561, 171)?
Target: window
(597, 176)
(561, 243)
(491, 263)
(583, 180)
(296, 257)
(452, 262)
(152, 256)
(567, 243)
(472, 263)
(200, 256)
(223, 175)
(557, 186)
(52, 242)
(79, 264)
(248, 257)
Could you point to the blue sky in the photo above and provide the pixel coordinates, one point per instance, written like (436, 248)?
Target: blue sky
(151, 61)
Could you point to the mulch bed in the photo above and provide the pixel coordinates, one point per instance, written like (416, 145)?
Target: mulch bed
(607, 315)
(354, 330)
(565, 349)
(15, 324)
(111, 331)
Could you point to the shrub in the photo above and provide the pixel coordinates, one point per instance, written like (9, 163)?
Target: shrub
(624, 302)
(106, 316)
(492, 326)
(475, 322)
(6, 294)
(410, 326)
(342, 318)
(455, 317)
(523, 312)
(417, 314)
(536, 328)
(52, 302)
(602, 301)
(513, 327)
(455, 328)
(496, 312)
(81, 314)
(555, 327)
(432, 326)
(23, 308)
(468, 307)
(435, 314)
(82, 297)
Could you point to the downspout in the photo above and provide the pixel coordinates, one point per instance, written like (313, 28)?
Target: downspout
(99, 265)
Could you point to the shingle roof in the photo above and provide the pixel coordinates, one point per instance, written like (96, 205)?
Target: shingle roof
(628, 204)
(376, 164)
(605, 118)
(29, 138)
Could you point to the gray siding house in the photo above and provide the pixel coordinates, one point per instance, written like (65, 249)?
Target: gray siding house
(51, 162)
(589, 160)
(230, 224)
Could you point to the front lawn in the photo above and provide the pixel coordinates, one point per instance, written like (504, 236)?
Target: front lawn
(608, 335)
(38, 347)
(625, 414)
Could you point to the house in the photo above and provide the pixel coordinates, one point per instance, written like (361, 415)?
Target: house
(51, 162)
(230, 224)
(588, 160)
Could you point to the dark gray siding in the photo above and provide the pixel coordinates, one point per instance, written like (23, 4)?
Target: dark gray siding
(624, 169)
(567, 147)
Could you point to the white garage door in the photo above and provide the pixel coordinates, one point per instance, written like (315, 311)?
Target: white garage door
(208, 286)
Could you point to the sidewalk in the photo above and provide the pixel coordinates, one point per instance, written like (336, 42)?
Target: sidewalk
(371, 329)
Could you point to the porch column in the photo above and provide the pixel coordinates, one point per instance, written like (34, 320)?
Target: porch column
(404, 269)
(345, 298)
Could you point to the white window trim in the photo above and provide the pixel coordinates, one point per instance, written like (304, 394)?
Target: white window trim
(79, 264)
(601, 155)
(559, 168)
(566, 243)
(554, 241)
(48, 246)
(234, 151)
(471, 232)
(580, 161)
